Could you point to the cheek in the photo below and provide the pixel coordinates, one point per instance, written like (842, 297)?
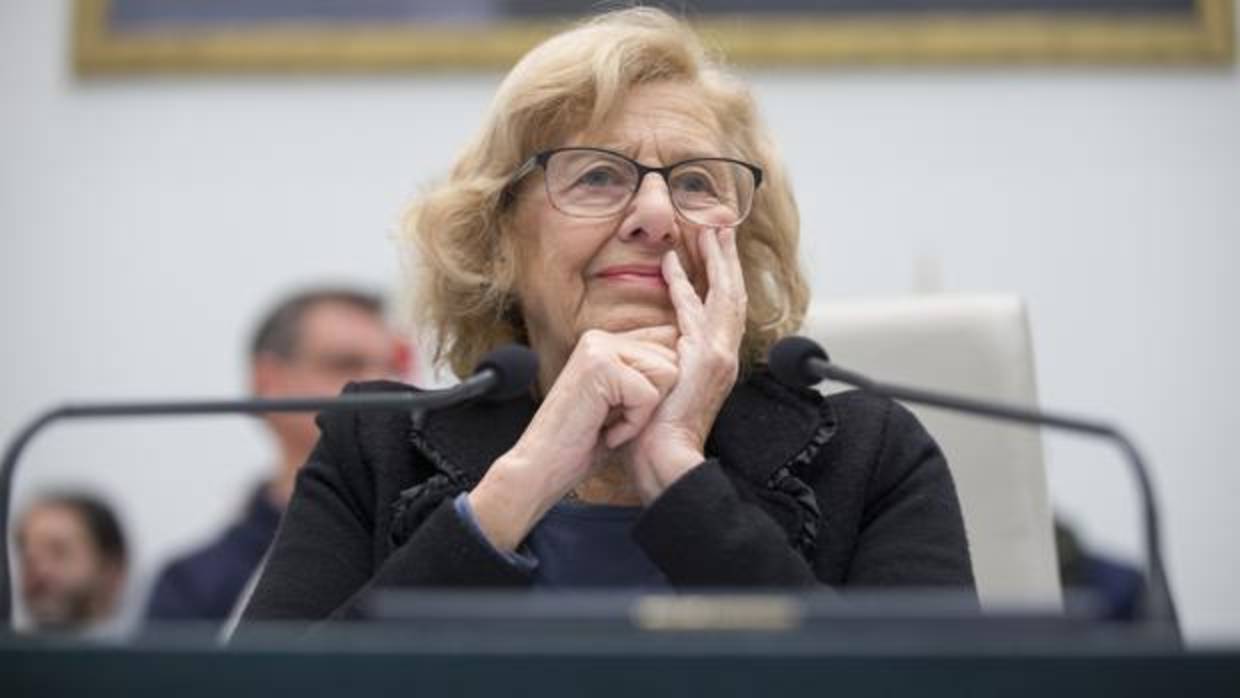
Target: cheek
(564, 285)
(546, 286)
(554, 254)
(558, 264)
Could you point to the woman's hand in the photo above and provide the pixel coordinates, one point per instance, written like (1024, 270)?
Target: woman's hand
(603, 397)
(707, 351)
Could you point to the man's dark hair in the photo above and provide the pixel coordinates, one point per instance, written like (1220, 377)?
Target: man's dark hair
(101, 524)
(279, 332)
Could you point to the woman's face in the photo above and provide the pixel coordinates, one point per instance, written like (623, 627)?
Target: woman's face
(577, 274)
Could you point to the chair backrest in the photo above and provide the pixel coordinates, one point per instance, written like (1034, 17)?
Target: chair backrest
(978, 346)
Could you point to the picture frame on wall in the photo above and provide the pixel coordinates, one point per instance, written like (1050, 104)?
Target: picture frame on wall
(116, 37)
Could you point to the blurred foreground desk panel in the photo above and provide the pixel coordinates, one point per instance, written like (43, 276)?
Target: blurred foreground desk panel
(678, 669)
(563, 644)
(187, 674)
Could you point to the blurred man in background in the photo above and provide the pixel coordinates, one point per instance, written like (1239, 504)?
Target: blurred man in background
(73, 563)
(1116, 584)
(309, 345)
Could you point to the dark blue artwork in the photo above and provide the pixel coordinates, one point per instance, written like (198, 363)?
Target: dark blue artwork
(131, 36)
(138, 14)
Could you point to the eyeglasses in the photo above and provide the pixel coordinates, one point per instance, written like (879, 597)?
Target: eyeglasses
(350, 365)
(597, 183)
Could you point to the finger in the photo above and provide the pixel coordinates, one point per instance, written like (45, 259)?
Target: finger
(666, 350)
(601, 353)
(661, 335)
(726, 306)
(689, 309)
(722, 308)
(656, 363)
(718, 271)
(661, 370)
(731, 254)
(620, 434)
(638, 400)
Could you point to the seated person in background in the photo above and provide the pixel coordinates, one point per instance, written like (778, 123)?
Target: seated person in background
(1118, 586)
(73, 563)
(308, 345)
(624, 213)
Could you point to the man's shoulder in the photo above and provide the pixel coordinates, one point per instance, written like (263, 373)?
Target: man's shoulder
(240, 544)
(204, 582)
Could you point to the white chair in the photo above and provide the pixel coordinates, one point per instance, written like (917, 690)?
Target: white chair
(977, 346)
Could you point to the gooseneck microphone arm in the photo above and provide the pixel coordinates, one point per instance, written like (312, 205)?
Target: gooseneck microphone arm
(800, 361)
(502, 374)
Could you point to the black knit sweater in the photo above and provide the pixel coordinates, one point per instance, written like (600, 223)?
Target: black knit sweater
(797, 490)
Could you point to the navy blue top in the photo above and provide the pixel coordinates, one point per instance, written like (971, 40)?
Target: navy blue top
(581, 545)
(1118, 585)
(205, 584)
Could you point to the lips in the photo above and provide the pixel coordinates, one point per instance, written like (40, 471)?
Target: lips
(640, 273)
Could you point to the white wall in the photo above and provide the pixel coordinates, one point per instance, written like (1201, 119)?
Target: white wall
(143, 222)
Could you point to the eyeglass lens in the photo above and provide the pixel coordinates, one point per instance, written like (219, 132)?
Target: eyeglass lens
(594, 183)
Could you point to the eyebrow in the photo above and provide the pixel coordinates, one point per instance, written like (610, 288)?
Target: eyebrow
(678, 153)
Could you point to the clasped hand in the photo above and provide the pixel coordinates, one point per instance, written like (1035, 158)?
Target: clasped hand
(649, 395)
(653, 393)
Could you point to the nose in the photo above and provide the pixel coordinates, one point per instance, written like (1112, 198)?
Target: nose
(652, 217)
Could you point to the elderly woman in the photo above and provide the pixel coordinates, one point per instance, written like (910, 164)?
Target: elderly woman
(623, 213)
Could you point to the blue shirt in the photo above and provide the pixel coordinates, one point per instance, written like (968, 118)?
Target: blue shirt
(580, 545)
(205, 584)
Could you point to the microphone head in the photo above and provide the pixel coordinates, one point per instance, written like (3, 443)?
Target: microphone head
(515, 367)
(789, 361)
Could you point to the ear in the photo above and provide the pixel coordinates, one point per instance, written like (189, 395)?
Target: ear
(267, 374)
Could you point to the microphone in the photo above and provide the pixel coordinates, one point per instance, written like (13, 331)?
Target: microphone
(503, 374)
(507, 371)
(801, 362)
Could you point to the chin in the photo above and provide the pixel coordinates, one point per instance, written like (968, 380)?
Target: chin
(635, 318)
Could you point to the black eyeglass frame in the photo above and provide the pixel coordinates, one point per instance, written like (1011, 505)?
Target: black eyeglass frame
(540, 160)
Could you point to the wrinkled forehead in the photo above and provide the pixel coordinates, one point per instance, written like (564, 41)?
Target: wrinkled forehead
(665, 121)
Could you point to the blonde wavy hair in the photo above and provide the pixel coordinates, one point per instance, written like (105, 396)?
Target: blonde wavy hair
(465, 265)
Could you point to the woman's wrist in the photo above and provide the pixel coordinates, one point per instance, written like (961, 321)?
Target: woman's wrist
(508, 502)
(656, 469)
